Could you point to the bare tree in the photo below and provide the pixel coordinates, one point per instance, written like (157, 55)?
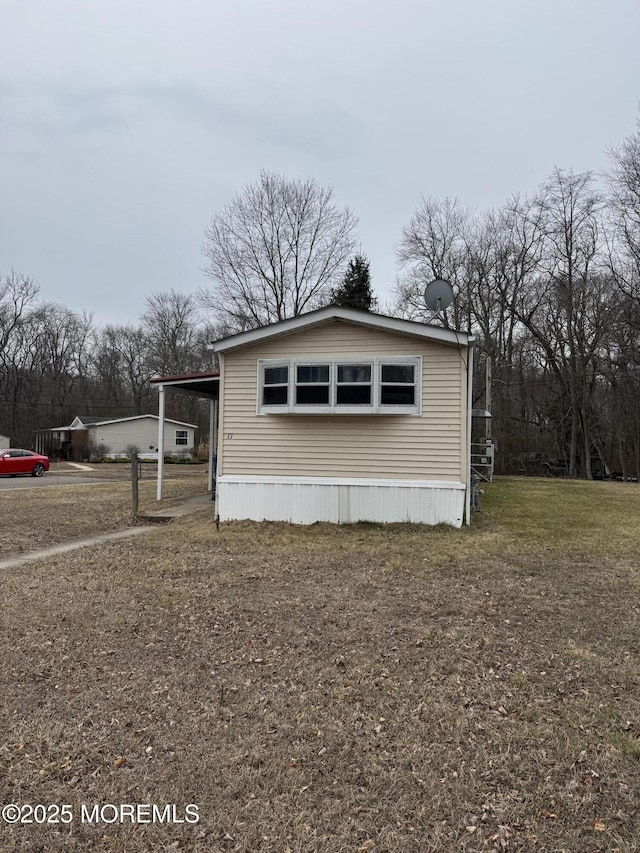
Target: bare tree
(624, 206)
(170, 323)
(433, 245)
(122, 367)
(275, 251)
(18, 293)
(529, 282)
(623, 241)
(565, 303)
(44, 367)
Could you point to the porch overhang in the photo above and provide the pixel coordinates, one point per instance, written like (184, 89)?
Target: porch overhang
(203, 385)
(193, 384)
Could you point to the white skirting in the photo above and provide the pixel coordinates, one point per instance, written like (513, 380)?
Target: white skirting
(305, 500)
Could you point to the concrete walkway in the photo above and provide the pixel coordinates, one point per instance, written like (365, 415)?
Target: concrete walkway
(65, 547)
(80, 467)
(188, 505)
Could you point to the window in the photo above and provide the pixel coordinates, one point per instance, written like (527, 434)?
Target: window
(340, 386)
(181, 437)
(275, 386)
(397, 384)
(312, 384)
(353, 385)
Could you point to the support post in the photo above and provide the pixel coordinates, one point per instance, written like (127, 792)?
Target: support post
(134, 483)
(212, 446)
(469, 407)
(160, 442)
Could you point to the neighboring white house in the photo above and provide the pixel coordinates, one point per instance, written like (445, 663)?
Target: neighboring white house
(5, 442)
(115, 435)
(345, 416)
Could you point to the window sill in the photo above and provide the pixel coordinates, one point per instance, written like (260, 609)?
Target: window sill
(366, 411)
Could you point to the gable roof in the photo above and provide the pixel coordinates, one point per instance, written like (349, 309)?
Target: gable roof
(141, 417)
(81, 422)
(367, 319)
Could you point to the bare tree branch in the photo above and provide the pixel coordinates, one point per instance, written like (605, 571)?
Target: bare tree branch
(275, 251)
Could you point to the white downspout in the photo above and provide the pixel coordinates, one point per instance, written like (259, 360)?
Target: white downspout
(160, 442)
(469, 407)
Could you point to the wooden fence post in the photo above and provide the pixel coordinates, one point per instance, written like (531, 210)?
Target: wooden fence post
(134, 483)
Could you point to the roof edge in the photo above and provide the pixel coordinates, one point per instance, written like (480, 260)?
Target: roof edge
(185, 377)
(450, 337)
(117, 421)
(139, 417)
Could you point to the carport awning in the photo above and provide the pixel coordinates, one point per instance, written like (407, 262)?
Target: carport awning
(194, 384)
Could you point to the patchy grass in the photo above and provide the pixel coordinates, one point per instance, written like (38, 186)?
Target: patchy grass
(361, 688)
(42, 516)
(587, 517)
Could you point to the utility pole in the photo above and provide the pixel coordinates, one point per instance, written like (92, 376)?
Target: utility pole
(490, 449)
(487, 397)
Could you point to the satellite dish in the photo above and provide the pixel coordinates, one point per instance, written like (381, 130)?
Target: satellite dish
(438, 295)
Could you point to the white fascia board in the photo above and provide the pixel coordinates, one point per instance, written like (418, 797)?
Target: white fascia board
(139, 418)
(178, 423)
(195, 380)
(358, 318)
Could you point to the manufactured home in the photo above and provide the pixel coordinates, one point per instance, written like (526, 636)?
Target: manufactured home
(114, 436)
(343, 416)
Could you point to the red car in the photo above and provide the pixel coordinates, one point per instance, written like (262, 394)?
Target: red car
(14, 462)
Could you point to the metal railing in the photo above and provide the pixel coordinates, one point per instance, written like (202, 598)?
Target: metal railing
(482, 460)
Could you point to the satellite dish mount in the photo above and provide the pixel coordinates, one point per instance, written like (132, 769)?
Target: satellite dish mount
(438, 295)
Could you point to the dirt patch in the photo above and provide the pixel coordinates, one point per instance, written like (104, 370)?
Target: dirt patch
(359, 688)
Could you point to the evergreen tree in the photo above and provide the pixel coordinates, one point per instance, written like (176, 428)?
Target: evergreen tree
(355, 289)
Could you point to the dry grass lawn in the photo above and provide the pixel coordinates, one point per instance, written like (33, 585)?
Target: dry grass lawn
(42, 516)
(368, 689)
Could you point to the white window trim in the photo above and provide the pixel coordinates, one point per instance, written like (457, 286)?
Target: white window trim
(295, 384)
(184, 433)
(262, 364)
(375, 408)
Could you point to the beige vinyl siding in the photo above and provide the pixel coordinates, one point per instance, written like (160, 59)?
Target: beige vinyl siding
(425, 447)
(143, 433)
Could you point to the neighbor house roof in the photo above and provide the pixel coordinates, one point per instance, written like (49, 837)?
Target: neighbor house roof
(142, 417)
(92, 422)
(437, 334)
(83, 420)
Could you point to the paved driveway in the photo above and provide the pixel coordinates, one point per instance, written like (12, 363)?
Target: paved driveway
(9, 483)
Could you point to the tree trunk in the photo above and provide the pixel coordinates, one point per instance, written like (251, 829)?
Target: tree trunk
(586, 434)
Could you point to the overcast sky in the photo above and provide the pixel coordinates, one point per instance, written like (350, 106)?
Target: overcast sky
(126, 123)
